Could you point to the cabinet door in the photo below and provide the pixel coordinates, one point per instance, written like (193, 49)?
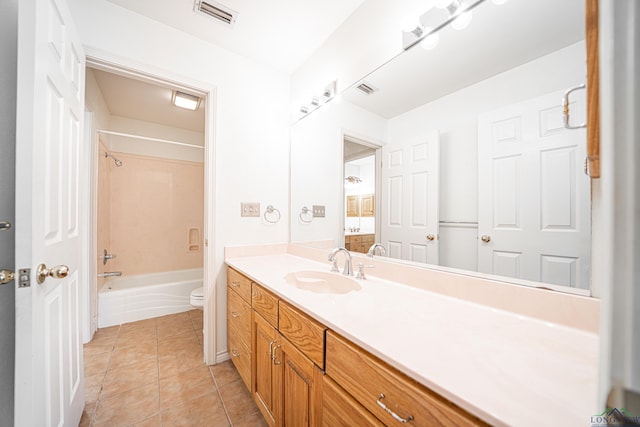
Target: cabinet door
(300, 384)
(264, 370)
(367, 205)
(353, 206)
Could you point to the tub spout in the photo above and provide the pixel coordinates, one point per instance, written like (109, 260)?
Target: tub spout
(110, 274)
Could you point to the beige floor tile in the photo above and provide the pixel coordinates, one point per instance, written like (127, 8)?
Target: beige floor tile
(185, 386)
(252, 420)
(140, 324)
(149, 422)
(172, 318)
(237, 400)
(99, 346)
(224, 373)
(206, 411)
(129, 407)
(125, 378)
(87, 415)
(96, 364)
(135, 339)
(92, 387)
(171, 329)
(175, 363)
(177, 343)
(110, 332)
(141, 352)
(196, 314)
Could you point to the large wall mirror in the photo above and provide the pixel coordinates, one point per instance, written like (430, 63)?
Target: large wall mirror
(475, 169)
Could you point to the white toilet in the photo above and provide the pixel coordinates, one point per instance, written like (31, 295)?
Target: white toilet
(197, 298)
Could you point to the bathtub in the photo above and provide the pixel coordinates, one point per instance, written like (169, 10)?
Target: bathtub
(132, 298)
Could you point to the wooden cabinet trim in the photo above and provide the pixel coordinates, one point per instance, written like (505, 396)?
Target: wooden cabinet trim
(304, 332)
(239, 283)
(593, 88)
(265, 303)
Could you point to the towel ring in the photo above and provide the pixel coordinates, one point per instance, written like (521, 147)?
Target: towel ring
(306, 213)
(274, 214)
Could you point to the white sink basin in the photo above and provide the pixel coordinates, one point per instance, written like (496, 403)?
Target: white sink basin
(322, 282)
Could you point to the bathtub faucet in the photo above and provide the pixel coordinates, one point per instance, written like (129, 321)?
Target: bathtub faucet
(110, 274)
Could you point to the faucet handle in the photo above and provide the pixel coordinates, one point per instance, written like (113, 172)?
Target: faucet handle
(360, 274)
(334, 266)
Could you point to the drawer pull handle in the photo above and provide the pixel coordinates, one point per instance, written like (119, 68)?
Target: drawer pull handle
(234, 353)
(390, 412)
(275, 355)
(236, 284)
(235, 314)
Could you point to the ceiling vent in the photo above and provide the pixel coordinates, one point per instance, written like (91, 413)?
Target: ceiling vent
(216, 10)
(366, 88)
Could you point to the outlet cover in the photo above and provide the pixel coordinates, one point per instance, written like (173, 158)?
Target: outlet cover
(318, 211)
(249, 209)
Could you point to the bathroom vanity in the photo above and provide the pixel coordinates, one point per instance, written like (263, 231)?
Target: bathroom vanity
(318, 348)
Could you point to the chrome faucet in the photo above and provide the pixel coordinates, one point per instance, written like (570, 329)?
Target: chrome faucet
(348, 269)
(110, 274)
(372, 250)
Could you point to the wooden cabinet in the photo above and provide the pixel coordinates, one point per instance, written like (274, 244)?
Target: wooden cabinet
(359, 243)
(367, 205)
(302, 375)
(287, 384)
(239, 323)
(376, 386)
(353, 206)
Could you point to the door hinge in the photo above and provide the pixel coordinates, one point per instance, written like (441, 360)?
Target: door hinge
(24, 278)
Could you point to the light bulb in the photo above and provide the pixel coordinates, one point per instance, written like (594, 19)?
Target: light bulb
(462, 21)
(409, 23)
(430, 41)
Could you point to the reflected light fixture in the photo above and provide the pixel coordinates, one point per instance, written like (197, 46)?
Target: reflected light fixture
(431, 41)
(185, 100)
(461, 16)
(353, 179)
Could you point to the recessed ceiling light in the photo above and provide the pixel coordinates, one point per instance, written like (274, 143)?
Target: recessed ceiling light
(184, 100)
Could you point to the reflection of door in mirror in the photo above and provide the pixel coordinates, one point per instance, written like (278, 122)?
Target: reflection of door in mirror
(410, 182)
(360, 177)
(534, 217)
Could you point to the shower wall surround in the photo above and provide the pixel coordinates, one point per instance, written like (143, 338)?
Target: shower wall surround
(155, 214)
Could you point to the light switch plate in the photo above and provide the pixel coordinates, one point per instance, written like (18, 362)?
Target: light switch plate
(318, 211)
(249, 209)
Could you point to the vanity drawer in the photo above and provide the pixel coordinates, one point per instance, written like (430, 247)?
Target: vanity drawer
(366, 378)
(303, 332)
(265, 304)
(239, 283)
(239, 315)
(339, 409)
(240, 354)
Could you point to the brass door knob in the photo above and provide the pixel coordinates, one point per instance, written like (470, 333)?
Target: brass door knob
(485, 238)
(431, 237)
(57, 272)
(6, 276)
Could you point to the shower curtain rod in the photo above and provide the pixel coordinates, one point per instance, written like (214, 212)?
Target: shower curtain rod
(148, 138)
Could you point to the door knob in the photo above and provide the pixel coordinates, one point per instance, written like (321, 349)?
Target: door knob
(58, 272)
(6, 276)
(5, 225)
(485, 238)
(431, 237)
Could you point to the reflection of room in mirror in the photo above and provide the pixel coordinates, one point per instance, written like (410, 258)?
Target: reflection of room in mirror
(359, 196)
(478, 71)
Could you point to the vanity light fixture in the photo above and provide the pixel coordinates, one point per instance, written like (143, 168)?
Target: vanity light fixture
(185, 100)
(317, 102)
(459, 13)
(430, 41)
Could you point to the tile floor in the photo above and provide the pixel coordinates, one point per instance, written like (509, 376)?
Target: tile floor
(151, 373)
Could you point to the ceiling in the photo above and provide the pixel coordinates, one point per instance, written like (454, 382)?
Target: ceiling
(498, 38)
(135, 99)
(279, 33)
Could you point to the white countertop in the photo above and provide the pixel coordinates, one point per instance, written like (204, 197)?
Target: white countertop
(506, 368)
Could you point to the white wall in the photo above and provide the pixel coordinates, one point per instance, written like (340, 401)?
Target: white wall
(250, 139)
(317, 166)
(8, 79)
(455, 116)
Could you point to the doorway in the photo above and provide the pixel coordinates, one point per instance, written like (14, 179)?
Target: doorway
(150, 160)
(361, 188)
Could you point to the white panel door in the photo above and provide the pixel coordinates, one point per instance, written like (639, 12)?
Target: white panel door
(410, 197)
(534, 194)
(50, 110)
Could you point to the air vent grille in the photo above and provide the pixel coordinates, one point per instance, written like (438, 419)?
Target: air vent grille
(367, 88)
(217, 11)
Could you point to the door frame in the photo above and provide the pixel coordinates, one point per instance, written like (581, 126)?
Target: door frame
(106, 61)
